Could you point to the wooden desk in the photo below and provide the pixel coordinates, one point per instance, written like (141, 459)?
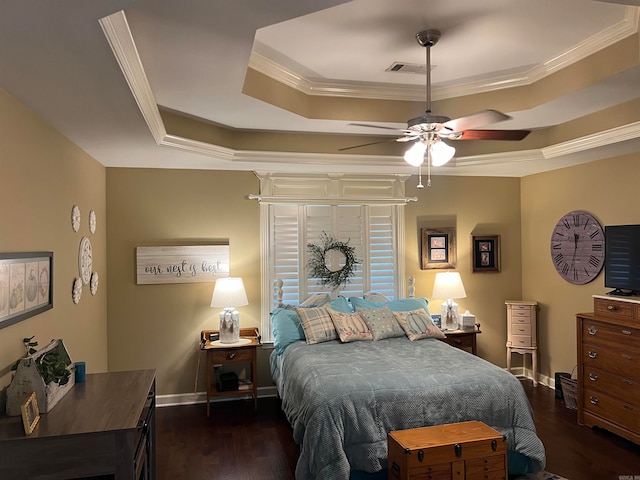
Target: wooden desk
(230, 353)
(102, 427)
(463, 339)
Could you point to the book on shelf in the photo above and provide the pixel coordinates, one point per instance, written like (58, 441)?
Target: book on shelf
(245, 384)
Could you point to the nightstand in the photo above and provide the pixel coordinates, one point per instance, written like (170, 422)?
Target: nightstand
(222, 354)
(464, 339)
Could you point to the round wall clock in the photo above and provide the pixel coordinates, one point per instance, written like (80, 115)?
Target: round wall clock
(577, 247)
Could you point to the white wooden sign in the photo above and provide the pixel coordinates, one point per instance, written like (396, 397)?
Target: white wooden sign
(189, 264)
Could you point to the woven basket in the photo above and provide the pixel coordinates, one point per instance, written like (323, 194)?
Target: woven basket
(570, 391)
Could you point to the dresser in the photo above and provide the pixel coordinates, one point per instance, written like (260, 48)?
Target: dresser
(103, 427)
(609, 366)
(522, 332)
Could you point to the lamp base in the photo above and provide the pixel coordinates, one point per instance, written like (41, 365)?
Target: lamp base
(449, 315)
(229, 326)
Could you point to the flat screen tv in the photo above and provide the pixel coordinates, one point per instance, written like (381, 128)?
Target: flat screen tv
(622, 259)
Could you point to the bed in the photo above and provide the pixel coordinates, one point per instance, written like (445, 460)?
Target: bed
(342, 399)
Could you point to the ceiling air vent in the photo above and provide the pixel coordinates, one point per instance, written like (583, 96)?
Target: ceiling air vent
(402, 67)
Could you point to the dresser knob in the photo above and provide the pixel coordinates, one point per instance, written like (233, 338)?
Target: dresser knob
(593, 377)
(593, 330)
(592, 354)
(231, 356)
(626, 332)
(611, 307)
(594, 400)
(628, 407)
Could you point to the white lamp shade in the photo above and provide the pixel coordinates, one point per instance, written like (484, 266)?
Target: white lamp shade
(229, 292)
(441, 153)
(415, 155)
(448, 285)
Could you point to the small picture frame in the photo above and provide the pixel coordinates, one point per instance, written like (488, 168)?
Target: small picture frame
(486, 253)
(30, 413)
(438, 248)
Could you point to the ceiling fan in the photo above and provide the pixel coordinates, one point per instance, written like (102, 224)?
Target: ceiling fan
(427, 131)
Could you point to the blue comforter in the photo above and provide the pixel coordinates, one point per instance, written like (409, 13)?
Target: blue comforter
(343, 399)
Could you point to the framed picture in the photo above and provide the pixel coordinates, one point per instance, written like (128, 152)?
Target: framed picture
(438, 248)
(30, 413)
(486, 253)
(26, 285)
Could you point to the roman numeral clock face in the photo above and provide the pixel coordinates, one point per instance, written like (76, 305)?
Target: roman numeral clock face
(577, 247)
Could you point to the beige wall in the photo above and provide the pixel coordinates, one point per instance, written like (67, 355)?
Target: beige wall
(607, 190)
(42, 175)
(158, 326)
(478, 206)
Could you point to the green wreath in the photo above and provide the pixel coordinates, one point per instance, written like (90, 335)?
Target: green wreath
(317, 264)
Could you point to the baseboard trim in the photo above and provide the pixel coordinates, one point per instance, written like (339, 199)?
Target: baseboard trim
(177, 399)
(528, 373)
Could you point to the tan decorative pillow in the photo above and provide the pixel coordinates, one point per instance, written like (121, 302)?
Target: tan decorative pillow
(381, 322)
(418, 324)
(350, 326)
(317, 325)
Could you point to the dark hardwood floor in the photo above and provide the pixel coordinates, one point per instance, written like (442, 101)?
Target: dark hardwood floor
(236, 443)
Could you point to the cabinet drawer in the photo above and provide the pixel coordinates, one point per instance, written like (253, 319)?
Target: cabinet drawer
(487, 464)
(619, 362)
(233, 355)
(521, 340)
(615, 385)
(613, 308)
(521, 329)
(520, 321)
(460, 341)
(613, 336)
(429, 472)
(617, 411)
(518, 311)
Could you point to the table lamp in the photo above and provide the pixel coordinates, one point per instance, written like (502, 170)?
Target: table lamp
(229, 293)
(448, 285)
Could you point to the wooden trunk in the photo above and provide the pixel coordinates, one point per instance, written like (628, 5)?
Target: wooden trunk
(27, 379)
(456, 451)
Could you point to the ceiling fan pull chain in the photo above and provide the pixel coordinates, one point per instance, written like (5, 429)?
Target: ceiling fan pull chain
(428, 165)
(420, 185)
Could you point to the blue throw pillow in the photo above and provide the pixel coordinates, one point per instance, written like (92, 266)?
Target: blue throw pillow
(286, 328)
(341, 305)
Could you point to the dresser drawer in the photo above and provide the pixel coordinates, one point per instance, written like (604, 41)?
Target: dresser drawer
(618, 386)
(233, 355)
(612, 409)
(521, 329)
(520, 311)
(486, 464)
(521, 321)
(619, 362)
(613, 308)
(521, 340)
(614, 336)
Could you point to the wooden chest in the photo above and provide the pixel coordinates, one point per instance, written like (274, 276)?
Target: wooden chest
(456, 451)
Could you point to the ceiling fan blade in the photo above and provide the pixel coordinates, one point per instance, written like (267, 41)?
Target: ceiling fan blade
(489, 135)
(365, 145)
(480, 119)
(376, 126)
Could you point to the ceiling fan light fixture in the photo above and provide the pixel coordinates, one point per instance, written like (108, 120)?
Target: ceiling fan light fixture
(441, 153)
(415, 155)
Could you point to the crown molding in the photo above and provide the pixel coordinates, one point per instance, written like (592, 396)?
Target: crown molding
(118, 34)
(623, 29)
(116, 30)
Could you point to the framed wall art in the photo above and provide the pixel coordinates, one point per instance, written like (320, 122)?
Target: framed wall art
(30, 413)
(486, 253)
(26, 285)
(438, 248)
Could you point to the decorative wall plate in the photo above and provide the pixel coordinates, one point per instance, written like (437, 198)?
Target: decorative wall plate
(75, 218)
(85, 260)
(77, 291)
(92, 221)
(93, 284)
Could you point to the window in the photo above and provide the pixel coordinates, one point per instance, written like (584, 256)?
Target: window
(374, 227)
